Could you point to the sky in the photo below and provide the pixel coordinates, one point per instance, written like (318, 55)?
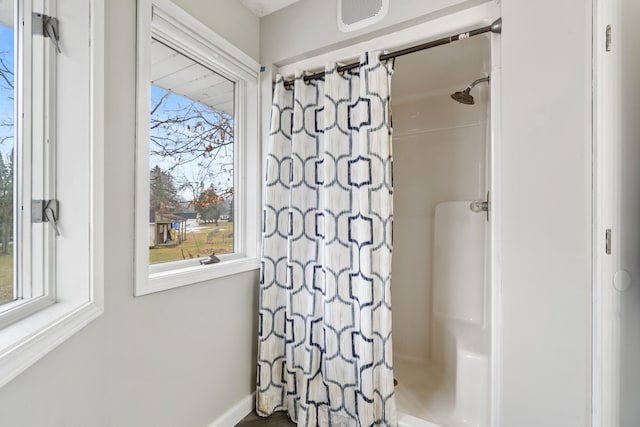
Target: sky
(176, 102)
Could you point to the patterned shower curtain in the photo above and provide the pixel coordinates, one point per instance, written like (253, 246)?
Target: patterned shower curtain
(324, 352)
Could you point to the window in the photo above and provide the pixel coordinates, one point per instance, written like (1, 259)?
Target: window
(8, 40)
(27, 166)
(50, 156)
(197, 185)
(191, 158)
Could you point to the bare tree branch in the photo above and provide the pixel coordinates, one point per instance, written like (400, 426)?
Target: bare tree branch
(162, 99)
(195, 144)
(5, 72)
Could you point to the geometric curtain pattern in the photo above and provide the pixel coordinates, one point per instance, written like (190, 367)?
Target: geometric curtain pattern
(325, 348)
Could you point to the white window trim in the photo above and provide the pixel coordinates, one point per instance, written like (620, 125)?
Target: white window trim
(34, 92)
(31, 338)
(163, 20)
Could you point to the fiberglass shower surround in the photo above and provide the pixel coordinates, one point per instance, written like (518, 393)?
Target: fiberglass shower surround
(441, 274)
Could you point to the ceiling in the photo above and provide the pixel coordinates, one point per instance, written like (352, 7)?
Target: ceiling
(6, 13)
(179, 74)
(261, 8)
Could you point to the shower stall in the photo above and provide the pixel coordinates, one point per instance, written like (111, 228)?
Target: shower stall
(441, 269)
(445, 115)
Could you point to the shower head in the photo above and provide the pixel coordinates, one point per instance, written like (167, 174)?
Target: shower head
(465, 97)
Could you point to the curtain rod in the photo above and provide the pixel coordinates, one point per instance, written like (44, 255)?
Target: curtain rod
(495, 27)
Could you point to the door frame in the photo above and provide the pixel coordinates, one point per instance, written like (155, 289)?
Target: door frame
(606, 345)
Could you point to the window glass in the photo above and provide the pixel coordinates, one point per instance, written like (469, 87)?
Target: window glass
(191, 159)
(7, 139)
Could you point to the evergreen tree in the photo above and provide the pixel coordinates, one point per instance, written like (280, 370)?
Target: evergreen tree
(163, 193)
(6, 201)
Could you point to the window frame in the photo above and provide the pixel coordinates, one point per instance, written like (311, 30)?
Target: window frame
(74, 297)
(34, 166)
(166, 22)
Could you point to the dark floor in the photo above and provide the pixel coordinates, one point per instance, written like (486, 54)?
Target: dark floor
(279, 419)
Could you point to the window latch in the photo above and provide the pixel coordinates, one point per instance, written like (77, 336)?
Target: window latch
(45, 211)
(46, 26)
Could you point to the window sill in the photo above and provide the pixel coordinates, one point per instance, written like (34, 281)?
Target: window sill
(25, 342)
(166, 280)
(16, 310)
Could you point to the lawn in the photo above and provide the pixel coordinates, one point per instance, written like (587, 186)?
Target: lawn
(6, 278)
(201, 241)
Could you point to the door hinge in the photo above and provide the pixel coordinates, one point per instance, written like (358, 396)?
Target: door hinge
(46, 26)
(607, 241)
(46, 211)
(608, 38)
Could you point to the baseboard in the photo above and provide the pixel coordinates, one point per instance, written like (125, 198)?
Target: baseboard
(234, 415)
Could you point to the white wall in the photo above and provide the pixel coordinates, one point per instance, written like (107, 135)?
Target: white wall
(176, 358)
(229, 19)
(546, 200)
(295, 31)
(439, 155)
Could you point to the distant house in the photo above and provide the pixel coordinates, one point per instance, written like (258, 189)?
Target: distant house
(193, 218)
(166, 228)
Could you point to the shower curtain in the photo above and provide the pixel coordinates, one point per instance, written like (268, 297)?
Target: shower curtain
(324, 351)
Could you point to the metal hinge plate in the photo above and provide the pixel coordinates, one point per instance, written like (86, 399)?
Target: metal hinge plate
(608, 39)
(46, 211)
(607, 239)
(46, 26)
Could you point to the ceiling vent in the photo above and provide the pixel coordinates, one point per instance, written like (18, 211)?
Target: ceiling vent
(356, 14)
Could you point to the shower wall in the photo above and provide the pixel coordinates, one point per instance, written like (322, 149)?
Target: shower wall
(439, 155)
